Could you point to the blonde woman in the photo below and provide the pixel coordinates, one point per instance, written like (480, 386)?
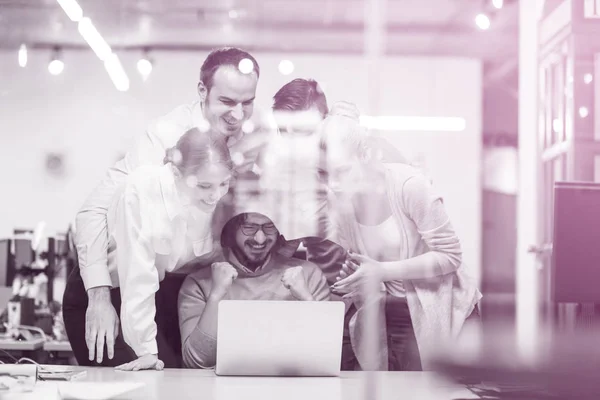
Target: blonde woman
(162, 219)
(397, 230)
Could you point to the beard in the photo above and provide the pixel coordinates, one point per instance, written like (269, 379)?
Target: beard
(252, 263)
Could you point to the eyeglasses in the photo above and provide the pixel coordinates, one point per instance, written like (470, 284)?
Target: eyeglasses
(251, 229)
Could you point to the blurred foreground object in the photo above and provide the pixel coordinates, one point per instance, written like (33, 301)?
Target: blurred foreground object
(565, 366)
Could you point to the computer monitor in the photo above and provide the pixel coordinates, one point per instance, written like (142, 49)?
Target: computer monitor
(575, 273)
(281, 338)
(6, 263)
(24, 255)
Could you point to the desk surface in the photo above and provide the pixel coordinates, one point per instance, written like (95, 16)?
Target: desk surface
(202, 384)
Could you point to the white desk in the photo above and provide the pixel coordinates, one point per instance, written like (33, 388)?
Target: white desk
(201, 384)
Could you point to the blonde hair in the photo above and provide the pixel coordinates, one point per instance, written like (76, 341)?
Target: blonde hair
(340, 131)
(196, 149)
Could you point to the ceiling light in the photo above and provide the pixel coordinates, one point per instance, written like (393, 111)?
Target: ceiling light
(588, 78)
(286, 67)
(583, 112)
(144, 66)
(498, 3)
(72, 9)
(23, 56)
(482, 21)
(56, 65)
(233, 14)
(246, 66)
(94, 39)
(406, 123)
(117, 73)
(556, 125)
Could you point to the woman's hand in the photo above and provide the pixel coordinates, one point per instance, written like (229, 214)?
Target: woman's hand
(357, 271)
(149, 361)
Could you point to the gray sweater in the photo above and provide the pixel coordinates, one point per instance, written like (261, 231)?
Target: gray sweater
(200, 349)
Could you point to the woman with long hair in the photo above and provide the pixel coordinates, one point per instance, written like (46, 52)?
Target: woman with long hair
(398, 234)
(158, 222)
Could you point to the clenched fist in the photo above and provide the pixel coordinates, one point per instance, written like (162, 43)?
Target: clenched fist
(223, 275)
(294, 280)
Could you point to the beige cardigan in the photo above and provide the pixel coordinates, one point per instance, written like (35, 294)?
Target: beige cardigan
(438, 306)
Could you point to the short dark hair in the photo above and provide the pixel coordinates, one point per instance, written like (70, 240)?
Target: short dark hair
(230, 229)
(300, 95)
(224, 56)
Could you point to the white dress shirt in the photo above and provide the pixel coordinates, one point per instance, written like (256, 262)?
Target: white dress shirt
(91, 236)
(152, 230)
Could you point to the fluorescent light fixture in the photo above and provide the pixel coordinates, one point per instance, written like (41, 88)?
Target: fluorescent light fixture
(72, 9)
(116, 72)
(401, 123)
(483, 21)
(94, 39)
(23, 56)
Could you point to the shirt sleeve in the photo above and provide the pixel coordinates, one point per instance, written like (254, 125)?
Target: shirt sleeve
(138, 276)
(328, 256)
(199, 349)
(317, 284)
(426, 209)
(91, 235)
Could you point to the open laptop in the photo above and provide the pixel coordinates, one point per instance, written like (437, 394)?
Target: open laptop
(279, 338)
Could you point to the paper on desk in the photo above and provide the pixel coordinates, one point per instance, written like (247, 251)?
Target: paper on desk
(95, 390)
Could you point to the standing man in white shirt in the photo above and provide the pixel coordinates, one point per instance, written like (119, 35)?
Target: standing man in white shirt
(226, 100)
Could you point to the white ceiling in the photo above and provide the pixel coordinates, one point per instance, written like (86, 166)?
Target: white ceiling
(442, 27)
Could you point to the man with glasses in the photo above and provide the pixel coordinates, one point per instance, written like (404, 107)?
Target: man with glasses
(253, 270)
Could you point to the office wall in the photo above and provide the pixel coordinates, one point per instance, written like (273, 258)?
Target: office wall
(82, 118)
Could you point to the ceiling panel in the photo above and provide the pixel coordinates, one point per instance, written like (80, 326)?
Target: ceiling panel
(443, 27)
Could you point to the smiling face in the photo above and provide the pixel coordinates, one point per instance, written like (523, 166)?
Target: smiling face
(229, 101)
(207, 186)
(255, 238)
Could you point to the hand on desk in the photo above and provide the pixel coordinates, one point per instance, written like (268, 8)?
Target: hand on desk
(294, 280)
(101, 324)
(149, 361)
